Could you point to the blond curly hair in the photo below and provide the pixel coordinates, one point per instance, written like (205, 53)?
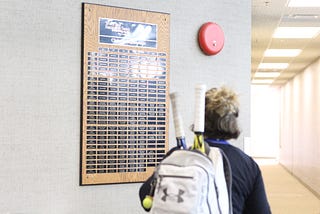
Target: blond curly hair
(221, 112)
(222, 101)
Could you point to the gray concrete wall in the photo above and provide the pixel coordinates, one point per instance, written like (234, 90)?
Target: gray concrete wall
(40, 82)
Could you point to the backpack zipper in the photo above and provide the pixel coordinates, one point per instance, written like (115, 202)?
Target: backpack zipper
(175, 176)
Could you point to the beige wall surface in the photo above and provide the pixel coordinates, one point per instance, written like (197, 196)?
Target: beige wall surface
(40, 82)
(300, 126)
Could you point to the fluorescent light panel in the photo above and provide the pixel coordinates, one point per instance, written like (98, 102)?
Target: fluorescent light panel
(296, 32)
(282, 52)
(262, 81)
(267, 74)
(304, 3)
(273, 65)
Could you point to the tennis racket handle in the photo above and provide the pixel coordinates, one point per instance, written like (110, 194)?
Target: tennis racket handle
(199, 114)
(181, 142)
(177, 119)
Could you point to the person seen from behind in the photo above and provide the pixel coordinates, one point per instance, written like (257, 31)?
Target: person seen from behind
(221, 125)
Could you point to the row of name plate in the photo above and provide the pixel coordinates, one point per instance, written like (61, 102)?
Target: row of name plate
(126, 110)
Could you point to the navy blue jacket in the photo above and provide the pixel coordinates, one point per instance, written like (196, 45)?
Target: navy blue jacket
(248, 192)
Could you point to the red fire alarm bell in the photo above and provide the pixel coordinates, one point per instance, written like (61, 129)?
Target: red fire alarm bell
(211, 38)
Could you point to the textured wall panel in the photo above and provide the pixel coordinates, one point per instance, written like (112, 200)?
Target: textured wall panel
(40, 84)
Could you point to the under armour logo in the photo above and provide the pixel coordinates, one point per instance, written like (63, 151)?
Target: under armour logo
(166, 195)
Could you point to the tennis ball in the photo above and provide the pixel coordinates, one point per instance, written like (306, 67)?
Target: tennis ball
(147, 202)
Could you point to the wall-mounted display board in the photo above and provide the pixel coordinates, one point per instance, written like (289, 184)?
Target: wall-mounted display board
(125, 93)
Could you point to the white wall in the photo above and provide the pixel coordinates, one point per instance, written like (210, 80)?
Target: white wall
(265, 119)
(40, 82)
(300, 125)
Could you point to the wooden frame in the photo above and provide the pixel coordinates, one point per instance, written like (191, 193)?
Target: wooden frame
(125, 94)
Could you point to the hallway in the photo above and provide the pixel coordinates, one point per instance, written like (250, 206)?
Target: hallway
(286, 194)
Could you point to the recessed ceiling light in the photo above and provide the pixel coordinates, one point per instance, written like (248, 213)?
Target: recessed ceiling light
(273, 65)
(304, 16)
(296, 32)
(304, 3)
(262, 81)
(282, 52)
(267, 74)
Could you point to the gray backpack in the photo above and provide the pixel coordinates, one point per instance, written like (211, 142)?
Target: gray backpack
(190, 182)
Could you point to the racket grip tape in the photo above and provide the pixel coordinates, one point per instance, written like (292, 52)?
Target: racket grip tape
(177, 119)
(199, 113)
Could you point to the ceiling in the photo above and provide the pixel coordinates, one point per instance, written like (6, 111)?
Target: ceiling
(267, 15)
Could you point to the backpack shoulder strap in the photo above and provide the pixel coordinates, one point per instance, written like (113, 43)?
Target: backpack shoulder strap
(223, 178)
(228, 177)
